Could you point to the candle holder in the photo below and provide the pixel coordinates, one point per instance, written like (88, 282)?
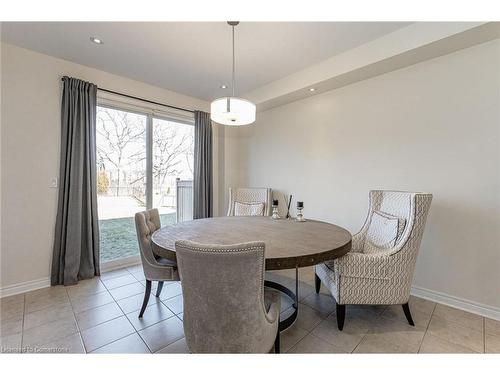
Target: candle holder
(300, 216)
(275, 215)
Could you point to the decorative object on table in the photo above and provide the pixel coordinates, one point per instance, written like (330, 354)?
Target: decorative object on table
(288, 208)
(300, 207)
(282, 202)
(275, 215)
(379, 268)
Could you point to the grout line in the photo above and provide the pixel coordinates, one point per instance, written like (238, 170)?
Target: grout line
(22, 326)
(454, 322)
(65, 335)
(297, 343)
(111, 342)
(124, 314)
(114, 301)
(76, 321)
(171, 344)
(427, 327)
(451, 342)
(360, 341)
(484, 334)
(126, 317)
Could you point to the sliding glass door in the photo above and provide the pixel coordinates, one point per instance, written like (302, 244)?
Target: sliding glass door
(173, 145)
(142, 162)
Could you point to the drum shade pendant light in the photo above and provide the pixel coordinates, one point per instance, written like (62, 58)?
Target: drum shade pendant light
(232, 110)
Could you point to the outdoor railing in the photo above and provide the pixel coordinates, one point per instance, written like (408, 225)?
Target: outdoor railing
(184, 190)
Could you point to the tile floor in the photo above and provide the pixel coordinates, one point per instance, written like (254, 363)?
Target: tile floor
(100, 316)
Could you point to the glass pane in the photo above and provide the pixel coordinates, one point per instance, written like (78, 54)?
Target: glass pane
(173, 145)
(121, 180)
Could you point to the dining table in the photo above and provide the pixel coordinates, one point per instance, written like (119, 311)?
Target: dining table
(289, 244)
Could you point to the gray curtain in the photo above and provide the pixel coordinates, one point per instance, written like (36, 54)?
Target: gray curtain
(202, 185)
(76, 241)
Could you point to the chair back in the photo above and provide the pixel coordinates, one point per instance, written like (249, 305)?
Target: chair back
(146, 223)
(223, 289)
(413, 207)
(250, 195)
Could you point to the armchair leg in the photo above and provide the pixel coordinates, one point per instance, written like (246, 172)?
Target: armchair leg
(406, 309)
(277, 343)
(146, 298)
(317, 283)
(340, 316)
(160, 287)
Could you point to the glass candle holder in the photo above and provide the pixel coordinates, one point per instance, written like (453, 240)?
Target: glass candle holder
(300, 216)
(275, 215)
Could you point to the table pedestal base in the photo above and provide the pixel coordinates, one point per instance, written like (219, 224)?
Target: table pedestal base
(287, 322)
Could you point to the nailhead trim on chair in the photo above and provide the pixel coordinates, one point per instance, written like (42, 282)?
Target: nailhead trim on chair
(187, 245)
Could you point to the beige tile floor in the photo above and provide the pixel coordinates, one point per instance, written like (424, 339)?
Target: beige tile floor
(100, 316)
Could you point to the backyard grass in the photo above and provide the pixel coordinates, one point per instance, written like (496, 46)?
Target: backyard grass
(119, 239)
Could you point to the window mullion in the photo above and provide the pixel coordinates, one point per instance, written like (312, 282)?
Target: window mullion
(149, 162)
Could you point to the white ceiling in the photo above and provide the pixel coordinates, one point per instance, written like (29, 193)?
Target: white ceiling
(194, 58)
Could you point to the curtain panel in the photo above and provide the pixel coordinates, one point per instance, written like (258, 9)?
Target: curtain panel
(202, 184)
(76, 240)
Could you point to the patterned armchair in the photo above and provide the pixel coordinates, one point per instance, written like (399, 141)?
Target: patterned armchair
(379, 268)
(249, 202)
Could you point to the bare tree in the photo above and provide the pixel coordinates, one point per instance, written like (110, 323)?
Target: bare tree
(121, 143)
(118, 131)
(170, 149)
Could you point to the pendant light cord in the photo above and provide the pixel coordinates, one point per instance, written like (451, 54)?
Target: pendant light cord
(233, 62)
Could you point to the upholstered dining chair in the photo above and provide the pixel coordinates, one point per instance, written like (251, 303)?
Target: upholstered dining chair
(155, 269)
(249, 202)
(379, 268)
(226, 309)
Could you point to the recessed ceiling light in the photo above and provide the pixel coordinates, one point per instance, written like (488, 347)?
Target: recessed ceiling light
(223, 86)
(312, 89)
(96, 40)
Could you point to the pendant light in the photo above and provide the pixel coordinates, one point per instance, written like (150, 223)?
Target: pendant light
(231, 110)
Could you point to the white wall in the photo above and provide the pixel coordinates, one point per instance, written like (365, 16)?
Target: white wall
(30, 139)
(430, 127)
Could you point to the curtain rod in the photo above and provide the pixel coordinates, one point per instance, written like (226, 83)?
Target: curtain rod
(141, 99)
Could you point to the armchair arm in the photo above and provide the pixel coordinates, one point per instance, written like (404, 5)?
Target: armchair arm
(357, 242)
(365, 266)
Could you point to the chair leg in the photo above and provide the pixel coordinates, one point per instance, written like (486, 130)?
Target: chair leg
(277, 343)
(406, 309)
(146, 298)
(160, 287)
(317, 283)
(340, 316)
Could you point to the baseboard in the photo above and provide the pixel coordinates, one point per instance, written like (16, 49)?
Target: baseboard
(26, 286)
(457, 302)
(120, 263)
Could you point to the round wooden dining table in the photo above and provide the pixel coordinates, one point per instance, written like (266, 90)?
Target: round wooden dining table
(289, 244)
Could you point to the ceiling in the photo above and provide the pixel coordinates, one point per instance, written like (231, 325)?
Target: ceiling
(194, 58)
